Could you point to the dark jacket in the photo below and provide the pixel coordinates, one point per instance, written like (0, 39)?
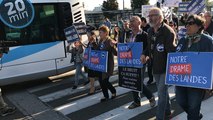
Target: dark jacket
(77, 54)
(105, 46)
(159, 45)
(140, 37)
(205, 44)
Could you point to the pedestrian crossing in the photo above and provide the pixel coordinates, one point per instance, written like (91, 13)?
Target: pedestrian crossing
(77, 105)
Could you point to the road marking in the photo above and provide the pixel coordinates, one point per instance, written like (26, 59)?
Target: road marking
(70, 91)
(86, 102)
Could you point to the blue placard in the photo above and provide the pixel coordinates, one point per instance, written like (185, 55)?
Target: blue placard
(98, 60)
(129, 54)
(183, 7)
(196, 6)
(16, 13)
(190, 69)
(86, 57)
(71, 34)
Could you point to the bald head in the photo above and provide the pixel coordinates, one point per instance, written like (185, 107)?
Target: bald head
(136, 19)
(135, 23)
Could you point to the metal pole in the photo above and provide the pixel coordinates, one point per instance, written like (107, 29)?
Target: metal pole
(123, 4)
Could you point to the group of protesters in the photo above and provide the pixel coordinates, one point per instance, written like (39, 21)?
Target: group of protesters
(159, 38)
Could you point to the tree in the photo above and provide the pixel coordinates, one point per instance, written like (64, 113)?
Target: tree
(108, 7)
(136, 4)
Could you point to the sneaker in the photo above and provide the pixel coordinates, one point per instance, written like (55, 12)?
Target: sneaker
(152, 102)
(134, 105)
(74, 87)
(7, 111)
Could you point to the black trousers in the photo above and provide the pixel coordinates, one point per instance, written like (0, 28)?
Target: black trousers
(105, 85)
(145, 91)
(149, 66)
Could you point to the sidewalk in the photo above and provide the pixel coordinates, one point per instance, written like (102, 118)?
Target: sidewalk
(29, 107)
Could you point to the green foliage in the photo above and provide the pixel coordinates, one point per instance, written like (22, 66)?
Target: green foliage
(108, 6)
(136, 4)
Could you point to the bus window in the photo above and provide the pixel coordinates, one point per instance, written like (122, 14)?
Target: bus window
(48, 25)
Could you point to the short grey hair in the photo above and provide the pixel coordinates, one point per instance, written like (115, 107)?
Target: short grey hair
(158, 11)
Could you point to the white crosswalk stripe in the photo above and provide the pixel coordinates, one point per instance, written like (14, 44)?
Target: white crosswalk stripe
(123, 112)
(120, 112)
(85, 102)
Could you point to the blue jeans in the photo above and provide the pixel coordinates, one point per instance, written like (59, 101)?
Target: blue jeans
(78, 67)
(163, 108)
(190, 100)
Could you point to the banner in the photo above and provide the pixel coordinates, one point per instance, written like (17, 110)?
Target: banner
(129, 54)
(71, 34)
(86, 57)
(190, 69)
(98, 60)
(196, 6)
(130, 77)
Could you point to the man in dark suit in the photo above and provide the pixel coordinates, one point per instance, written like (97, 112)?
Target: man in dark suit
(138, 35)
(145, 27)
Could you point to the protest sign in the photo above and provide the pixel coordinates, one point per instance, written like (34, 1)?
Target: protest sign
(86, 57)
(183, 7)
(81, 28)
(129, 54)
(98, 60)
(171, 3)
(145, 10)
(71, 34)
(190, 69)
(130, 77)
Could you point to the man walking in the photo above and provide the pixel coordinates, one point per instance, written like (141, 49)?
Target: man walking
(161, 41)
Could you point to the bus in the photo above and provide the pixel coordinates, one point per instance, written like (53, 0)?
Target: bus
(40, 48)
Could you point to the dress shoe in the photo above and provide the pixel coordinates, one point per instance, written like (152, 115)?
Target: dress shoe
(104, 99)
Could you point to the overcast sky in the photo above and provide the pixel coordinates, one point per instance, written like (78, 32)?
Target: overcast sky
(90, 4)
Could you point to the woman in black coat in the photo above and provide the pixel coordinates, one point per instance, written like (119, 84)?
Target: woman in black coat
(107, 44)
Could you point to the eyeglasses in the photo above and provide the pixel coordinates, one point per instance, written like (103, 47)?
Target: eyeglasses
(152, 15)
(190, 23)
